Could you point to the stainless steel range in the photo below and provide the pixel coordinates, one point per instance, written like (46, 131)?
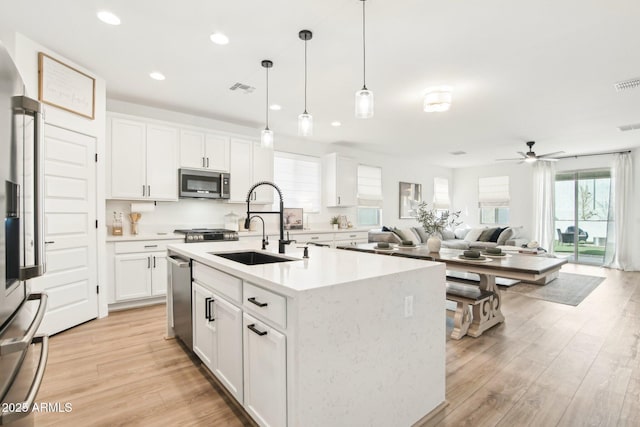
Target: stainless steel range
(198, 235)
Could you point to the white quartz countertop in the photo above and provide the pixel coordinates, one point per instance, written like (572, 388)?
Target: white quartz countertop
(324, 267)
(272, 232)
(147, 236)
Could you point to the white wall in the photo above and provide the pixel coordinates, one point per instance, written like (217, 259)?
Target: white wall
(211, 213)
(25, 54)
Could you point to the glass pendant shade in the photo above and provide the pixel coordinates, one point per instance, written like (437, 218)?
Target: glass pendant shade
(266, 138)
(305, 124)
(364, 104)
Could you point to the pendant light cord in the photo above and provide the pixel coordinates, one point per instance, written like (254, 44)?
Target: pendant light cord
(364, 50)
(267, 106)
(305, 77)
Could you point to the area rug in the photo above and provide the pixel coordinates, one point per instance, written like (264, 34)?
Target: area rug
(569, 289)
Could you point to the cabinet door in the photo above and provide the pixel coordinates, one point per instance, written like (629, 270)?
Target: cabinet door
(128, 164)
(217, 152)
(133, 276)
(240, 169)
(192, 146)
(228, 358)
(203, 327)
(346, 181)
(159, 279)
(265, 373)
(263, 171)
(162, 165)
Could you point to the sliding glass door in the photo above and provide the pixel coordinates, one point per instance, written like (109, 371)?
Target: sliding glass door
(582, 215)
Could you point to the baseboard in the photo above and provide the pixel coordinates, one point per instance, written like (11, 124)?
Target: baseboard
(431, 415)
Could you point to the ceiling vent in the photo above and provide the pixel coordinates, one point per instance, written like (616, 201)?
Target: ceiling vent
(625, 128)
(458, 153)
(627, 84)
(241, 87)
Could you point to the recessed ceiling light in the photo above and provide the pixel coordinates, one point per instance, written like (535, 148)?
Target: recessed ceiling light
(336, 123)
(108, 18)
(275, 107)
(157, 76)
(219, 38)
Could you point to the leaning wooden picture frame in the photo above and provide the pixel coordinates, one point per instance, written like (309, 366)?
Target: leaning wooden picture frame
(65, 87)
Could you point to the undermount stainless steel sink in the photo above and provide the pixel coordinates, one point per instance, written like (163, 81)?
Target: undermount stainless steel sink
(251, 257)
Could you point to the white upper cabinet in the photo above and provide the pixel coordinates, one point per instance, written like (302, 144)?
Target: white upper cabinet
(143, 160)
(340, 180)
(250, 163)
(204, 150)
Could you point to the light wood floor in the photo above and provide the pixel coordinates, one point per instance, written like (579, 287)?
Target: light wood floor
(548, 365)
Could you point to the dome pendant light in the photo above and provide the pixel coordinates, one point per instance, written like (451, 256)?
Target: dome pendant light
(305, 120)
(364, 97)
(266, 136)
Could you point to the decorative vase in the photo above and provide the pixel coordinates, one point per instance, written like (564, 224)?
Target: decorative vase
(434, 243)
(335, 226)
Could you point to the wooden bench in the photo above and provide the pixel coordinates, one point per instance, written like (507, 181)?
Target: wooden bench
(469, 299)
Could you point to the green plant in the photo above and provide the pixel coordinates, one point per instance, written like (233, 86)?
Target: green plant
(435, 221)
(334, 220)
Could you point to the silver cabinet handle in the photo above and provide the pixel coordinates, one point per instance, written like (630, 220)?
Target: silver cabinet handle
(22, 105)
(144, 190)
(148, 262)
(12, 345)
(11, 416)
(315, 237)
(203, 163)
(207, 162)
(148, 191)
(352, 235)
(338, 199)
(150, 246)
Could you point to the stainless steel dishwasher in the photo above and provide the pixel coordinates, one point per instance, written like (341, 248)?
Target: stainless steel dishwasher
(181, 294)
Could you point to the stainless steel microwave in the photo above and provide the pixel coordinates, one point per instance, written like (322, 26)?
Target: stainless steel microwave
(203, 184)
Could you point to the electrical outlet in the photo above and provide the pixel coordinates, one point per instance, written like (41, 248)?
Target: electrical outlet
(408, 306)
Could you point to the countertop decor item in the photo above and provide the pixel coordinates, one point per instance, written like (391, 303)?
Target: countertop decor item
(116, 226)
(134, 217)
(293, 218)
(433, 222)
(335, 222)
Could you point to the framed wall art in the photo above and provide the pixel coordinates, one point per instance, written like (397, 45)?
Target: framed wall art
(410, 198)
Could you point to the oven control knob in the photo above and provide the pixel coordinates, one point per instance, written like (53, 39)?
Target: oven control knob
(189, 237)
(200, 237)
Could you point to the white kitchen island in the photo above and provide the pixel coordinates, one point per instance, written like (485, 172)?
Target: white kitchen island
(342, 338)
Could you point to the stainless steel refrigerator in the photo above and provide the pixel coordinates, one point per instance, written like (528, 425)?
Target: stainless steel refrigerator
(23, 354)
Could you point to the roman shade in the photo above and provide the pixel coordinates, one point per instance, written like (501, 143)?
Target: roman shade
(298, 177)
(369, 186)
(493, 191)
(441, 193)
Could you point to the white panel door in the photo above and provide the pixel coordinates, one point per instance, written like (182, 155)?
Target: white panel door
(162, 164)
(265, 373)
(217, 153)
(159, 277)
(240, 169)
(133, 276)
(70, 230)
(128, 159)
(203, 328)
(228, 360)
(263, 171)
(192, 149)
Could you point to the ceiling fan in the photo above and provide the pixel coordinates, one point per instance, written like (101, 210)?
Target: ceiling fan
(531, 157)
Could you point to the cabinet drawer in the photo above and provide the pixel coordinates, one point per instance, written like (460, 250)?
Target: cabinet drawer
(267, 305)
(319, 237)
(142, 246)
(352, 235)
(229, 286)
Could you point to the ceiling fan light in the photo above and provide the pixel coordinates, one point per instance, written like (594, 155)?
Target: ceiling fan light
(364, 104)
(530, 160)
(437, 101)
(266, 138)
(305, 124)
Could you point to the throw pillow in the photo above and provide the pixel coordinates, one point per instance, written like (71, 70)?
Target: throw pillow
(461, 232)
(385, 228)
(473, 234)
(504, 236)
(448, 235)
(486, 234)
(496, 234)
(410, 235)
(421, 233)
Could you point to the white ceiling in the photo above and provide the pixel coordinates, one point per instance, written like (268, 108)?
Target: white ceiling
(539, 70)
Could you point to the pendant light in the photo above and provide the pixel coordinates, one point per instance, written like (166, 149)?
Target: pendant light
(364, 97)
(266, 136)
(305, 120)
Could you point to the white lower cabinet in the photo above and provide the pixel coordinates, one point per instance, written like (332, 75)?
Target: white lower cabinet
(217, 337)
(140, 275)
(265, 373)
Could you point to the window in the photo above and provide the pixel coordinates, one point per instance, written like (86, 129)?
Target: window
(493, 199)
(298, 177)
(369, 195)
(441, 202)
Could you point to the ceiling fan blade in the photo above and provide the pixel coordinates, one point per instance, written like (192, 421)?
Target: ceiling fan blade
(547, 159)
(508, 160)
(550, 154)
(522, 154)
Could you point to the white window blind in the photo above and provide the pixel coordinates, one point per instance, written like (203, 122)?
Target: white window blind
(369, 186)
(441, 193)
(298, 177)
(493, 191)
